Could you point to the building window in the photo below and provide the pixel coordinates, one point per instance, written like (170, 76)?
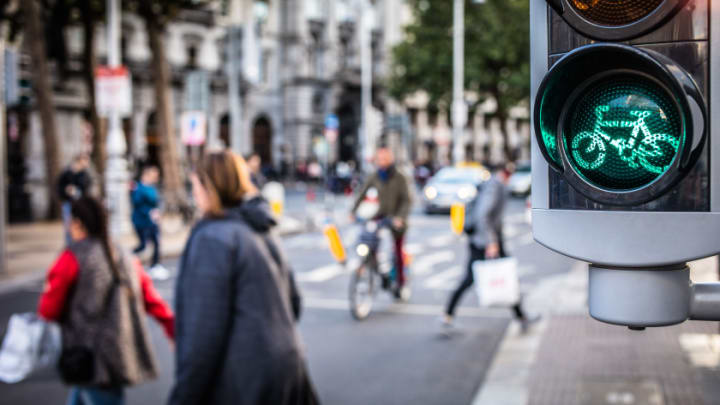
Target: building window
(433, 113)
(316, 9)
(344, 11)
(264, 66)
(413, 113)
(318, 103)
(192, 57)
(261, 9)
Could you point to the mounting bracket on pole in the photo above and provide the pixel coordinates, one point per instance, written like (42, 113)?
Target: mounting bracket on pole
(652, 296)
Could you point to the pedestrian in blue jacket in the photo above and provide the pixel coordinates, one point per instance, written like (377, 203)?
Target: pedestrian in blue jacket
(146, 216)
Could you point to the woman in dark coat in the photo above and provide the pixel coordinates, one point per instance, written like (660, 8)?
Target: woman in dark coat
(236, 300)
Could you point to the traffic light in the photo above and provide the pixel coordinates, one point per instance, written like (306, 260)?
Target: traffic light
(623, 151)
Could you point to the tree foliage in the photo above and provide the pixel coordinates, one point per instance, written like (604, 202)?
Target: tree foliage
(497, 53)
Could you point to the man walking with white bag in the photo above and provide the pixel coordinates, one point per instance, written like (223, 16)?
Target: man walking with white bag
(483, 224)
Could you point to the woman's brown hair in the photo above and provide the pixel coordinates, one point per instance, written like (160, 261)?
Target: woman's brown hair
(93, 217)
(226, 179)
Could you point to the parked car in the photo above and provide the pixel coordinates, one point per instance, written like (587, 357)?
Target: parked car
(520, 181)
(451, 185)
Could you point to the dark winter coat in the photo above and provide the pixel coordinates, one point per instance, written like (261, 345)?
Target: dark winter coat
(236, 307)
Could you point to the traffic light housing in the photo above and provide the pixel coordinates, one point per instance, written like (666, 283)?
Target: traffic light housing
(624, 155)
(621, 123)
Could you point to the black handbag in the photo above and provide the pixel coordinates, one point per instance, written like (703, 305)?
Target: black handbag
(77, 365)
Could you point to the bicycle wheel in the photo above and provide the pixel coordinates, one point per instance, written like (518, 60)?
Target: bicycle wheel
(584, 147)
(656, 152)
(362, 290)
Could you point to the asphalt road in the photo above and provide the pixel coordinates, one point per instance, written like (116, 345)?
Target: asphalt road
(397, 355)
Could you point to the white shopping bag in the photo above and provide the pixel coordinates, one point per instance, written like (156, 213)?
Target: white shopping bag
(30, 344)
(496, 282)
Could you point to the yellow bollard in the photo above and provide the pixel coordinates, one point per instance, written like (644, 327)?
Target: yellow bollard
(276, 207)
(457, 217)
(336, 247)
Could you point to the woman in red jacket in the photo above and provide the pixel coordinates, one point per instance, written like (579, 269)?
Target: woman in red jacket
(100, 297)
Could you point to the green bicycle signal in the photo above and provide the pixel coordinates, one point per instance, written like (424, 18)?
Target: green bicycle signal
(623, 134)
(640, 149)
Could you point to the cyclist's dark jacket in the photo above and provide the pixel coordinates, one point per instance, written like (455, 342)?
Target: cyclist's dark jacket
(393, 194)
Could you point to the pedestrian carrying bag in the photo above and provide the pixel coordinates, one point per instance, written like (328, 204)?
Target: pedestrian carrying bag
(496, 282)
(30, 345)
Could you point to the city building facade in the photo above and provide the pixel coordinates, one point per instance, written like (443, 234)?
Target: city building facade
(300, 63)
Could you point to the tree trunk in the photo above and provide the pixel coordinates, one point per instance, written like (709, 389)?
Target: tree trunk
(44, 94)
(169, 159)
(99, 152)
(509, 152)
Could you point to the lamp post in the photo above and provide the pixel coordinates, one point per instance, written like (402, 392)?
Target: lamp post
(116, 175)
(364, 34)
(459, 108)
(459, 105)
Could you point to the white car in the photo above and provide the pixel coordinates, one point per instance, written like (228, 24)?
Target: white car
(452, 185)
(520, 181)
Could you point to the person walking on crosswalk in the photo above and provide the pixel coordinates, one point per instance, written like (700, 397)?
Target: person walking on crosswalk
(484, 225)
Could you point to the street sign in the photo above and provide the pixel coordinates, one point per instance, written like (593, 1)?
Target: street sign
(622, 166)
(113, 90)
(193, 127)
(332, 125)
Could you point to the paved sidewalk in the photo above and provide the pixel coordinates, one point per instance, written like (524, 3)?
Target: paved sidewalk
(570, 358)
(32, 248)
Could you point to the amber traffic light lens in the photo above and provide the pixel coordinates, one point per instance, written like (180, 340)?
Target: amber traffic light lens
(615, 12)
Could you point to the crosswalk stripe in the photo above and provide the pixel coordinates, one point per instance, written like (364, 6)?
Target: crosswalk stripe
(413, 248)
(443, 280)
(321, 274)
(424, 264)
(442, 240)
(522, 240)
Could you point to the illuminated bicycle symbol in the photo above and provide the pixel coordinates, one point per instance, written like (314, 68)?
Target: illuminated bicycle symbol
(641, 149)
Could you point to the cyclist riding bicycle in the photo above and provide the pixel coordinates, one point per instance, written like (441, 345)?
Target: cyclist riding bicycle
(394, 198)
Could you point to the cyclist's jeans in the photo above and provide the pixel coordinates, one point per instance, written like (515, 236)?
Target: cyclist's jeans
(477, 253)
(399, 258)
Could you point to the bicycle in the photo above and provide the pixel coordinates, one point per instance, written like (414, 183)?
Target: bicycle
(636, 151)
(363, 282)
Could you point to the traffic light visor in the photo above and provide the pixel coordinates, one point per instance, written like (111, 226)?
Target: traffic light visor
(614, 12)
(616, 20)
